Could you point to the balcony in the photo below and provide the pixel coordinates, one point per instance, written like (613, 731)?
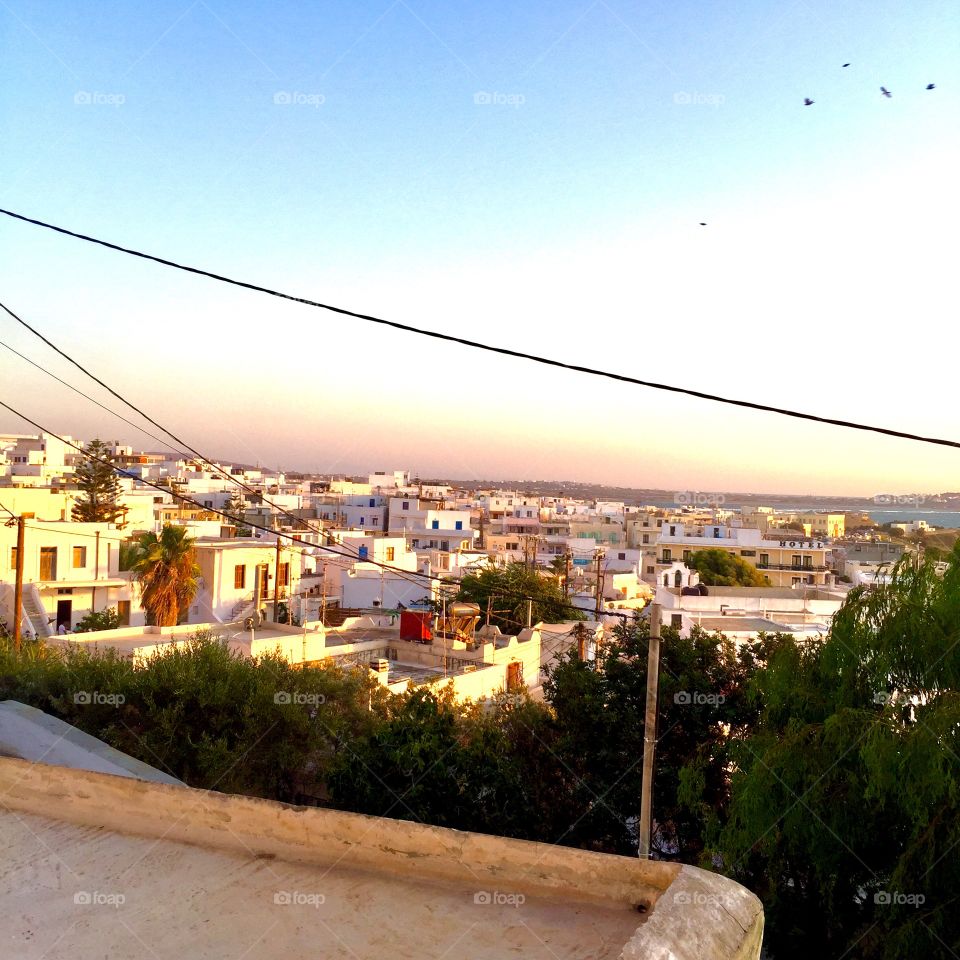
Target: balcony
(793, 567)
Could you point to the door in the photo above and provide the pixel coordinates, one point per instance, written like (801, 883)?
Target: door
(48, 563)
(64, 614)
(263, 572)
(514, 675)
(123, 611)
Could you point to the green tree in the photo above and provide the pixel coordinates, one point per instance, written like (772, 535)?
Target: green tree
(99, 487)
(600, 716)
(107, 619)
(167, 571)
(717, 568)
(845, 809)
(507, 589)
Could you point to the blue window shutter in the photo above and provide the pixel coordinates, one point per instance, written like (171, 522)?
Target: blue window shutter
(363, 553)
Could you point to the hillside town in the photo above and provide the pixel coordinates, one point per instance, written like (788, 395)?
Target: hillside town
(366, 570)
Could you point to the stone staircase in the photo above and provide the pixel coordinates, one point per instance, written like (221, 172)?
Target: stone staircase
(33, 612)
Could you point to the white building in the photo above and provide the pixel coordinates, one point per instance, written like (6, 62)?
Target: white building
(69, 571)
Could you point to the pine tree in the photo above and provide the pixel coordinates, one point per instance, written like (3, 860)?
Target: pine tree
(99, 487)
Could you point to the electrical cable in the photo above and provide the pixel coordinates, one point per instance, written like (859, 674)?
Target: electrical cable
(492, 348)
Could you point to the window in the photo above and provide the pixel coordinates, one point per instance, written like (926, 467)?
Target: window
(208, 504)
(764, 560)
(13, 558)
(795, 580)
(239, 576)
(390, 554)
(673, 531)
(445, 545)
(646, 538)
(676, 619)
(434, 524)
(808, 561)
(79, 557)
(406, 505)
(797, 559)
(374, 521)
(362, 553)
(667, 556)
(284, 575)
(716, 531)
(650, 569)
(373, 502)
(748, 553)
(458, 525)
(686, 556)
(621, 556)
(48, 563)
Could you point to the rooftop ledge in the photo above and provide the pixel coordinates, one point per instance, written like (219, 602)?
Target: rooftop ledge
(104, 864)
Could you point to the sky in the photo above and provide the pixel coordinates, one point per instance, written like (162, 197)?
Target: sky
(529, 175)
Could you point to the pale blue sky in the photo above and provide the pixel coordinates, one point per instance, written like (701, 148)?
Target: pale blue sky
(532, 175)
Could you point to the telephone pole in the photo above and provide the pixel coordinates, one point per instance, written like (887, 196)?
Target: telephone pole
(599, 557)
(18, 588)
(276, 585)
(650, 730)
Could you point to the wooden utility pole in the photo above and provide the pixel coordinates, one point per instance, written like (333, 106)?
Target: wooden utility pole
(276, 585)
(18, 588)
(599, 585)
(650, 730)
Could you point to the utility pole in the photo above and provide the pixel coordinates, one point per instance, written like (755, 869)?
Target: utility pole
(580, 632)
(599, 584)
(650, 730)
(18, 589)
(566, 574)
(276, 585)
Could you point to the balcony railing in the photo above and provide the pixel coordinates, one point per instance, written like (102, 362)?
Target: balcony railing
(789, 566)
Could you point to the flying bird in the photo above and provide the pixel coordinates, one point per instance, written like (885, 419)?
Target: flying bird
(886, 92)
(931, 86)
(846, 64)
(702, 224)
(807, 102)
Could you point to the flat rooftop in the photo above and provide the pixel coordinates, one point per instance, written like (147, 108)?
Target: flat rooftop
(108, 866)
(62, 886)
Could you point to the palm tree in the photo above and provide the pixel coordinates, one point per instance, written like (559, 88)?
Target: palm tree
(167, 571)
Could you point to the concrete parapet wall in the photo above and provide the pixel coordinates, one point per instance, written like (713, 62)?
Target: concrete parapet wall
(689, 913)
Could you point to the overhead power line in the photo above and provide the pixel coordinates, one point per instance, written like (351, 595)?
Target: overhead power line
(194, 453)
(492, 348)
